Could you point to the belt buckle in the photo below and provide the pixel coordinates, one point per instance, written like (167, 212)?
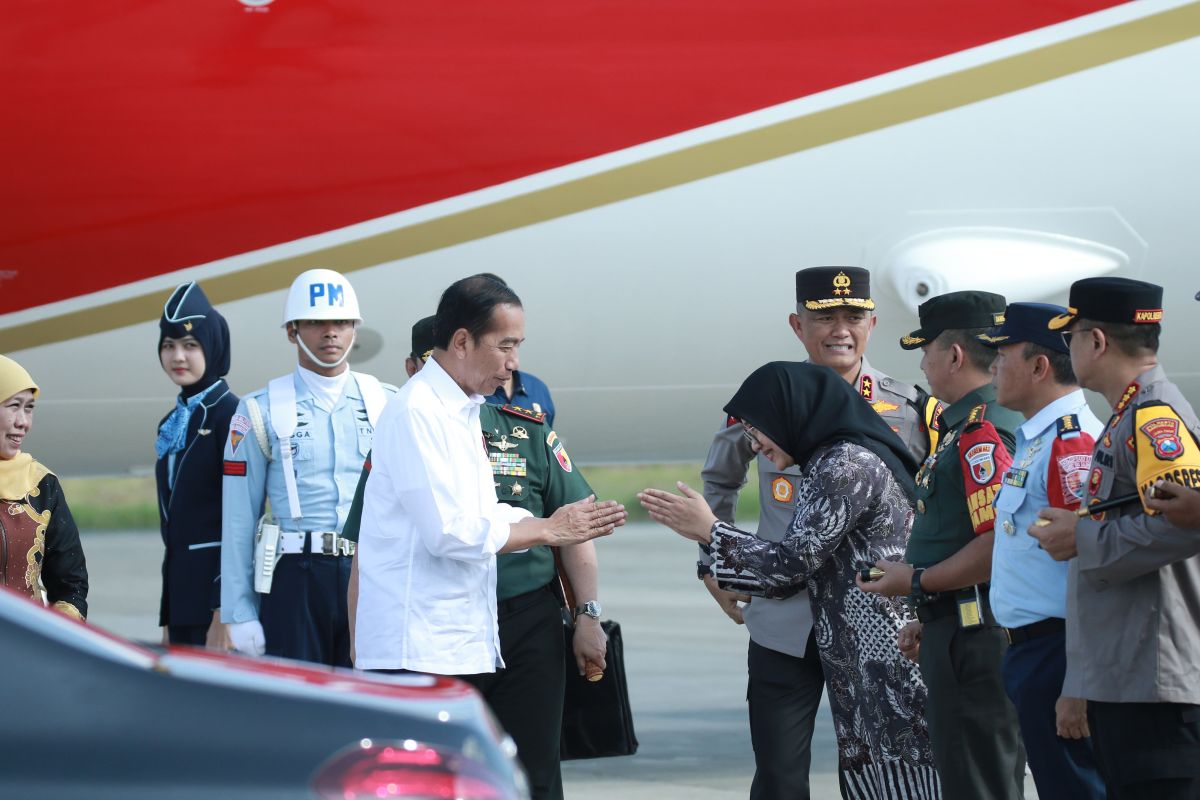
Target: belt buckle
(327, 543)
(345, 547)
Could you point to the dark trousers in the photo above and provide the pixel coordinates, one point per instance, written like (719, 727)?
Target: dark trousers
(972, 726)
(1147, 750)
(304, 616)
(527, 695)
(1033, 677)
(195, 635)
(784, 693)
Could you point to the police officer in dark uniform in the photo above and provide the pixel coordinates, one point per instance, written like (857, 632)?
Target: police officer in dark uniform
(533, 471)
(972, 725)
(834, 319)
(1136, 577)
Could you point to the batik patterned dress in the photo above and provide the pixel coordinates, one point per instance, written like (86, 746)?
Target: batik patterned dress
(850, 512)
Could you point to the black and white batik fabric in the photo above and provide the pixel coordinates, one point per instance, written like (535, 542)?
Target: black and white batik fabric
(850, 511)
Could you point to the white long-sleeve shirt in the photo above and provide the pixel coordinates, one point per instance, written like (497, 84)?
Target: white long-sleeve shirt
(431, 528)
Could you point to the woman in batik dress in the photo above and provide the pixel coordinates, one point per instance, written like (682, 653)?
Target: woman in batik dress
(853, 507)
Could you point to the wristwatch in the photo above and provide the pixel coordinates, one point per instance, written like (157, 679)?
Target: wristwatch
(918, 594)
(591, 608)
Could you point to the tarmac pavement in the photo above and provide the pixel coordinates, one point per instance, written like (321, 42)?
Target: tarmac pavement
(686, 665)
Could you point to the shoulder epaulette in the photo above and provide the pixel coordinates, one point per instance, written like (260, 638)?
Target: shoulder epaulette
(525, 413)
(976, 417)
(1068, 426)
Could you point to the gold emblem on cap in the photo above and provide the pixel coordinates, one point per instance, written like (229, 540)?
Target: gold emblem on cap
(912, 340)
(187, 326)
(841, 284)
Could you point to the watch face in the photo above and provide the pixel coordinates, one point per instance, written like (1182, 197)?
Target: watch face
(591, 608)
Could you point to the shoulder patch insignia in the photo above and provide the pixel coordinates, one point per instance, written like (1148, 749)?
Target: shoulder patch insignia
(781, 490)
(982, 462)
(524, 413)
(1165, 449)
(239, 426)
(559, 451)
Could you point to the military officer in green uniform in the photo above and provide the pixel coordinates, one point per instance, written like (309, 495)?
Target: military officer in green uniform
(532, 470)
(972, 725)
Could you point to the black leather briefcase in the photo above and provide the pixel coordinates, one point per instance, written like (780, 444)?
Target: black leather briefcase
(597, 720)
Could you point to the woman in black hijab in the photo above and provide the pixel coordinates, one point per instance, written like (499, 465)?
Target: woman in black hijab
(853, 507)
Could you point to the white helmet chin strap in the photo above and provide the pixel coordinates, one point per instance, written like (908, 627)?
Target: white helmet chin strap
(327, 364)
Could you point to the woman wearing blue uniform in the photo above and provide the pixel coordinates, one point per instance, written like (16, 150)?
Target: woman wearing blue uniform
(193, 348)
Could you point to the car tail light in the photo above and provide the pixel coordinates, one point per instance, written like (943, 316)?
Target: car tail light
(409, 770)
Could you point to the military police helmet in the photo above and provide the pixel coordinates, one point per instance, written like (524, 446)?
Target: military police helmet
(321, 294)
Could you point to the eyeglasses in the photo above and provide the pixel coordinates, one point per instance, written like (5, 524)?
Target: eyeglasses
(749, 432)
(1068, 334)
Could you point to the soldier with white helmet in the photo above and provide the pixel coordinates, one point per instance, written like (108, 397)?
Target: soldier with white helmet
(299, 444)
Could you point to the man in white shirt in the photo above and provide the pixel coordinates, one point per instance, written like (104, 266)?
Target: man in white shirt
(431, 523)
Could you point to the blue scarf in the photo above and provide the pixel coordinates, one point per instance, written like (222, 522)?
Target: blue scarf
(172, 434)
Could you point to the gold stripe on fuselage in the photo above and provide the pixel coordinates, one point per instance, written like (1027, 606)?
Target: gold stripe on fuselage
(683, 166)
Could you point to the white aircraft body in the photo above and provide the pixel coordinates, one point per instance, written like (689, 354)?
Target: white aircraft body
(655, 274)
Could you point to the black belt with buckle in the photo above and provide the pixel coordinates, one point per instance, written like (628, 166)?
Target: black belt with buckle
(1043, 627)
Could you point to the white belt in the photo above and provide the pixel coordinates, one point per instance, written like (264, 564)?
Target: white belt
(326, 543)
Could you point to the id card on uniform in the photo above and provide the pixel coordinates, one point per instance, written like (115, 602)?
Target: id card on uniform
(970, 609)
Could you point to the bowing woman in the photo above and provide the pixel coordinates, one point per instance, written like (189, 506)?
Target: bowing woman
(853, 506)
(193, 350)
(39, 543)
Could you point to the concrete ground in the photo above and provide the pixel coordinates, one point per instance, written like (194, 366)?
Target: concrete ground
(686, 664)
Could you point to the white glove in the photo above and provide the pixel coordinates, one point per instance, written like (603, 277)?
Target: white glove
(248, 638)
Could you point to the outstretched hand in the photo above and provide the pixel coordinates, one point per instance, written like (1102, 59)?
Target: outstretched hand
(688, 515)
(586, 519)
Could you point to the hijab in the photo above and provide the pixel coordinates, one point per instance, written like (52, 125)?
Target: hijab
(188, 312)
(20, 474)
(802, 406)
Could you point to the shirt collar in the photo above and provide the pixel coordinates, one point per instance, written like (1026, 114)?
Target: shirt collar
(957, 411)
(449, 392)
(1067, 404)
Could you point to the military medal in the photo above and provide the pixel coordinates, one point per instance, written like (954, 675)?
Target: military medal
(520, 433)
(516, 489)
(508, 464)
(1008, 527)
